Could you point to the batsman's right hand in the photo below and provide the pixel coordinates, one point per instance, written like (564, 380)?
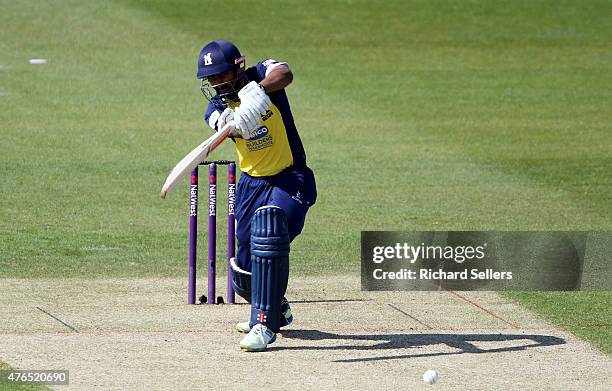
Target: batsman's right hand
(254, 96)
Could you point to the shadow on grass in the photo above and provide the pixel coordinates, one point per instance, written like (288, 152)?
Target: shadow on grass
(465, 343)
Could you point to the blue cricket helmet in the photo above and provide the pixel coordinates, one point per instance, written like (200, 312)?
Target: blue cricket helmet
(218, 57)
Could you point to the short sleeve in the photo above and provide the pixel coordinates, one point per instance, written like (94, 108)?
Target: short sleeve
(265, 67)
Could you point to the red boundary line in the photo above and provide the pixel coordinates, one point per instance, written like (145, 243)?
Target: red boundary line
(484, 309)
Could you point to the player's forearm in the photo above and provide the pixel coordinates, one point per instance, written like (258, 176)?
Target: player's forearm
(278, 79)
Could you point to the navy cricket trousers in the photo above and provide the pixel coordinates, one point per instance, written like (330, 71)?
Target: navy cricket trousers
(294, 190)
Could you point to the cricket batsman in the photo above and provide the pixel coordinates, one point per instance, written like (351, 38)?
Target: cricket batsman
(276, 187)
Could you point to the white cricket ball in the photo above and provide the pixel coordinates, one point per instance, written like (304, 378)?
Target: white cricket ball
(430, 376)
(38, 61)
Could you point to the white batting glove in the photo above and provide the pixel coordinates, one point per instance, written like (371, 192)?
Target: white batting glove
(225, 117)
(246, 121)
(254, 97)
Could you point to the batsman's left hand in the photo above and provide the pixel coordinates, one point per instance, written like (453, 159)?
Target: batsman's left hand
(225, 117)
(247, 120)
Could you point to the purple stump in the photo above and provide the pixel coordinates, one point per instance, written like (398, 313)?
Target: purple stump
(193, 235)
(212, 231)
(231, 229)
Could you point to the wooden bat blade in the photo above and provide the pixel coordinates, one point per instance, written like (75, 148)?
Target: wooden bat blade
(193, 158)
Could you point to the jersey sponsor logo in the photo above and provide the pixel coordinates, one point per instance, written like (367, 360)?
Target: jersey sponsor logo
(268, 114)
(261, 140)
(207, 59)
(260, 132)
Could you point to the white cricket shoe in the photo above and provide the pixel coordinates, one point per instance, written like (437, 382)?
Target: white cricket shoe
(257, 339)
(245, 327)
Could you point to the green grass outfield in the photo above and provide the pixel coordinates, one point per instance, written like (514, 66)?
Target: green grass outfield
(415, 115)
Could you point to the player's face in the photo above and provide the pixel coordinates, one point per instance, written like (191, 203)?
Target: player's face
(221, 82)
(225, 85)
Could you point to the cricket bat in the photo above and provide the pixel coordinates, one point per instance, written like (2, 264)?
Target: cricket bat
(193, 158)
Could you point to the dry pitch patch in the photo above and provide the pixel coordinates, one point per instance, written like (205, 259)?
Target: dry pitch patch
(138, 334)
